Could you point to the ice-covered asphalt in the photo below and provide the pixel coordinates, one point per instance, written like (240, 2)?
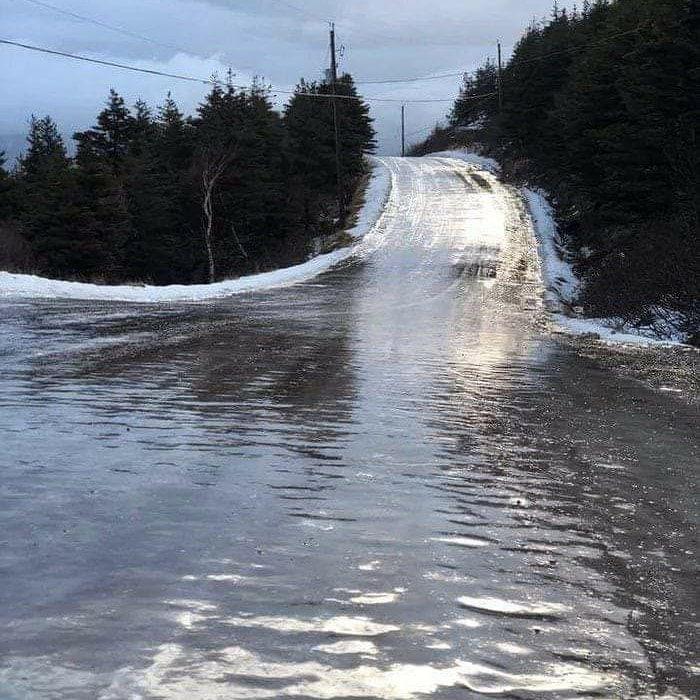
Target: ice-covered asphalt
(386, 482)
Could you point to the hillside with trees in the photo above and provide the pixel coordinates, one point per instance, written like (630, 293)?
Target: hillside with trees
(158, 197)
(600, 109)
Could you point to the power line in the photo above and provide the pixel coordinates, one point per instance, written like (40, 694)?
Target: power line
(389, 81)
(208, 81)
(120, 30)
(143, 37)
(112, 64)
(105, 25)
(577, 48)
(456, 74)
(420, 131)
(301, 11)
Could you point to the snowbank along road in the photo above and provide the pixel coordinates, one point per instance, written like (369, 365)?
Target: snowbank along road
(385, 482)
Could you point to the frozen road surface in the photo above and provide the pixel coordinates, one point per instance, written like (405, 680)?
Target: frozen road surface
(386, 482)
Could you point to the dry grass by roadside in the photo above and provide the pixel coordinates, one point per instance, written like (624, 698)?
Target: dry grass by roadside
(341, 238)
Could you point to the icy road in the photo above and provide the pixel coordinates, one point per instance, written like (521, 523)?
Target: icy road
(389, 481)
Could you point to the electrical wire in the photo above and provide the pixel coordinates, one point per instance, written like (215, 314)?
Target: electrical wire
(420, 131)
(98, 61)
(105, 25)
(579, 48)
(301, 11)
(211, 81)
(389, 81)
(520, 63)
(155, 42)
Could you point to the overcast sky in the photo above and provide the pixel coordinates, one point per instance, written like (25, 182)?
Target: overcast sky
(280, 40)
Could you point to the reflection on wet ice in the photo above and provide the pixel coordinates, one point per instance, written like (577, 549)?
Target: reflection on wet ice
(235, 672)
(385, 484)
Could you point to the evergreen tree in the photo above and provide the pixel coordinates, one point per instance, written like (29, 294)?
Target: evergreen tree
(142, 134)
(7, 203)
(238, 132)
(46, 153)
(310, 127)
(106, 156)
(174, 137)
(100, 227)
(601, 109)
(110, 139)
(132, 203)
(476, 101)
(45, 189)
(15, 252)
(357, 135)
(158, 187)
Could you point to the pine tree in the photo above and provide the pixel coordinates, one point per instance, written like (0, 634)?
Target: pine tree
(106, 156)
(240, 160)
(310, 130)
(7, 203)
(110, 139)
(309, 126)
(46, 154)
(174, 137)
(476, 102)
(142, 134)
(601, 109)
(16, 254)
(100, 226)
(357, 135)
(45, 188)
(158, 188)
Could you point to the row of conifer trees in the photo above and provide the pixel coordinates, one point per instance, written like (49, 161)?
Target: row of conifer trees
(164, 198)
(600, 107)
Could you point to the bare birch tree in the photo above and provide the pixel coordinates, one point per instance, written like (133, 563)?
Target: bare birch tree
(213, 161)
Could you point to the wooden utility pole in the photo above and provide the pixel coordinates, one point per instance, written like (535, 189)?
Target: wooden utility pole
(500, 78)
(334, 63)
(403, 130)
(336, 126)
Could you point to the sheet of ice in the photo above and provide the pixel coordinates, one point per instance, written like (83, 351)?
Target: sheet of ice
(178, 672)
(31, 286)
(353, 646)
(341, 626)
(375, 598)
(562, 285)
(470, 542)
(498, 606)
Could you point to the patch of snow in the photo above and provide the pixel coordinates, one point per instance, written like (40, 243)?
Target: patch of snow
(475, 125)
(489, 164)
(31, 286)
(504, 607)
(559, 278)
(610, 332)
(356, 646)
(375, 598)
(563, 287)
(470, 542)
